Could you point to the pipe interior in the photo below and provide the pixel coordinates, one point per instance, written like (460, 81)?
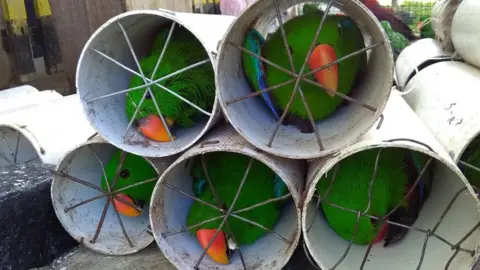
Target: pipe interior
(81, 222)
(97, 76)
(255, 122)
(16, 148)
(327, 247)
(169, 212)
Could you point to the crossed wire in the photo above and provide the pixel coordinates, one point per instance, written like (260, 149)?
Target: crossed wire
(111, 193)
(428, 233)
(300, 76)
(148, 82)
(225, 213)
(14, 153)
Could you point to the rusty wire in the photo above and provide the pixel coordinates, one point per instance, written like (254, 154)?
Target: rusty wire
(110, 193)
(428, 232)
(300, 76)
(14, 152)
(225, 213)
(148, 82)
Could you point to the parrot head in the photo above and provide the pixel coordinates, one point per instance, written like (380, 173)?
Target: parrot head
(135, 169)
(218, 251)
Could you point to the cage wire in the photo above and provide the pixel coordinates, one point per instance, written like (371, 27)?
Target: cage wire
(13, 152)
(111, 194)
(301, 75)
(226, 212)
(431, 232)
(416, 14)
(148, 82)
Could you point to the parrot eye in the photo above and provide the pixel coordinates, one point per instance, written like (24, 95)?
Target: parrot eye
(148, 96)
(124, 173)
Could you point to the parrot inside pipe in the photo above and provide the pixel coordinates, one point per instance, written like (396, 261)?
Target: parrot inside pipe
(398, 169)
(196, 85)
(226, 171)
(472, 156)
(397, 40)
(135, 169)
(339, 37)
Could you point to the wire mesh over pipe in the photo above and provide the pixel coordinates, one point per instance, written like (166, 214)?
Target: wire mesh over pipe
(173, 197)
(113, 57)
(86, 210)
(445, 234)
(248, 113)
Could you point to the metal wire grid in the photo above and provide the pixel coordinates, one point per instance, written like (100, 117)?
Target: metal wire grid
(428, 232)
(13, 152)
(226, 212)
(149, 82)
(112, 193)
(301, 76)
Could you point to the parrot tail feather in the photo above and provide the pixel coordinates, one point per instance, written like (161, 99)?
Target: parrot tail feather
(267, 99)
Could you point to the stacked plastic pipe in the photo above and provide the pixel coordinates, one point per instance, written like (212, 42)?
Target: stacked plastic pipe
(438, 123)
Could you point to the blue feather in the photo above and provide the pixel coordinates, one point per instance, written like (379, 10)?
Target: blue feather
(254, 43)
(198, 186)
(418, 166)
(280, 187)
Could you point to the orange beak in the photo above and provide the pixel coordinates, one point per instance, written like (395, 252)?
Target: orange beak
(218, 250)
(125, 209)
(324, 54)
(152, 127)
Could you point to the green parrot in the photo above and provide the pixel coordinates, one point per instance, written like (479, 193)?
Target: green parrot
(196, 85)
(226, 171)
(472, 157)
(135, 169)
(397, 40)
(397, 171)
(339, 36)
(425, 27)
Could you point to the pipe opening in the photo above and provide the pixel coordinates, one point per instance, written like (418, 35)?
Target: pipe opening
(265, 199)
(15, 148)
(80, 195)
(433, 236)
(146, 79)
(339, 93)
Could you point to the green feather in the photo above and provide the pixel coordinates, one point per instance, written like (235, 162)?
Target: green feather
(351, 188)
(138, 170)
(397, 40)
(226, 171)
(344, 38)
(472, 157)
(196, 85)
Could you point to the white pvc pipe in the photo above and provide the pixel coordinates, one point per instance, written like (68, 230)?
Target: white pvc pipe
(28, 100)
(465, 29)
(400, 122)
(445, 97)
(426, 51)
(81, 223)
(97, 76)
(255, 123)
(48, 130)
(169, 209)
